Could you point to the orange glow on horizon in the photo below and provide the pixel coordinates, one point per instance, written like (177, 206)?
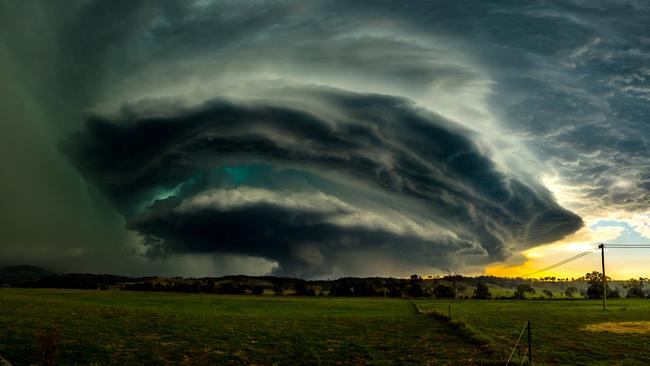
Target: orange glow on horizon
(536, 258)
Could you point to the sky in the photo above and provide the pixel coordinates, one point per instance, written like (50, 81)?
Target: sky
(324, 139)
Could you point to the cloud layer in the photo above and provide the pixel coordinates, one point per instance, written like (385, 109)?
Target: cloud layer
(412, 136)
(308, 176)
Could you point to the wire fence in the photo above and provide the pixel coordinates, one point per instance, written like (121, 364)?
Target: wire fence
(518, 345)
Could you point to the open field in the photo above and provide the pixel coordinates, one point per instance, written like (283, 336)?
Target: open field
(118, 327)
(574, 332)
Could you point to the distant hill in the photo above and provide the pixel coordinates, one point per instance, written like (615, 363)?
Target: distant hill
(10, 274)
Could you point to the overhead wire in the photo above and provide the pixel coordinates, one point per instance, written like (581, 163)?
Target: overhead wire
(563, 262)
(583, 254)
(625, 246)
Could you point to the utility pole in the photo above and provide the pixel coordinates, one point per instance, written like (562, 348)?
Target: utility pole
(602, 255)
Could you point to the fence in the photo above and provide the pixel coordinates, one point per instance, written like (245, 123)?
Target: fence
(528, 351)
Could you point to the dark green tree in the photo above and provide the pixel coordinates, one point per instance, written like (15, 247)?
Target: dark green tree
(414, 288)
(482, 292)
(523, 290)
(443, 292)
(595, 285)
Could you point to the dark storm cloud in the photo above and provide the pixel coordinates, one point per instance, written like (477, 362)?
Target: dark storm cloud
(549, 88)
(304, 243)
(380, 141)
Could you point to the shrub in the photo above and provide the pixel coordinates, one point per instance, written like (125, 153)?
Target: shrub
(570, 291)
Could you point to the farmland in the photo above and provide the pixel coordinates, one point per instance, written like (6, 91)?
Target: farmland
(119, 327)
(122, 327)
(565, 332)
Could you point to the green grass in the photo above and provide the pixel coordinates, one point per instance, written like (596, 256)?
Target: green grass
(123, 328)
(558, 328)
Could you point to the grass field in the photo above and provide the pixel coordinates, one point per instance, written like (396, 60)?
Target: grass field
(121, 328)
(560, 329)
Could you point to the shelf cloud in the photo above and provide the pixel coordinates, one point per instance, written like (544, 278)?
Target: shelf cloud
(317, 139)
(358, 172)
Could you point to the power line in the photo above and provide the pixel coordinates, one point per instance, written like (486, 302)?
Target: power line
(627, 246)
(583, 254)
(624, 246)
(563, 262)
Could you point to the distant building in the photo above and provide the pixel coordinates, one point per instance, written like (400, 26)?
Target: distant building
(5, 285)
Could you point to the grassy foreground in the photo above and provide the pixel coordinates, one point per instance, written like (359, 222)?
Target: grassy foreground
(563, 332)
(122, 328)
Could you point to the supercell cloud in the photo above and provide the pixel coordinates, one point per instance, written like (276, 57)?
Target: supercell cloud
(322, 138)
(310, 176)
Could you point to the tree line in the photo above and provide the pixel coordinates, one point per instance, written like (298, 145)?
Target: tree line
(446, 287)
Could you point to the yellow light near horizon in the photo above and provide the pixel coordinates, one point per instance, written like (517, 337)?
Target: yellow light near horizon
(579, 247)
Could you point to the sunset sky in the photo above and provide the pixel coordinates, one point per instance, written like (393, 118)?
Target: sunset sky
(325, 138)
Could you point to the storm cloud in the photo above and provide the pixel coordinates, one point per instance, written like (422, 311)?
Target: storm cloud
(350, 138)
(269, 179)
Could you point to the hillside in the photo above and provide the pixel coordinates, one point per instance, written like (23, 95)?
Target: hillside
(11, 274)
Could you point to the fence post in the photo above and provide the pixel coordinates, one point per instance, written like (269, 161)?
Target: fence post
(530, 350)
(449, 311)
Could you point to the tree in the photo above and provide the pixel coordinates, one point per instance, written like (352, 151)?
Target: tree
(455, 279)
(548, 293)
(634, 289)
(570, 291)
(258, 290)
(595, 285)
(482, 292)
(524, 289)
(443, 292)
(414, 289)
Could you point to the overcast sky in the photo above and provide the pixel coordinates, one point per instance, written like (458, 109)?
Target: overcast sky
(326, 138)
